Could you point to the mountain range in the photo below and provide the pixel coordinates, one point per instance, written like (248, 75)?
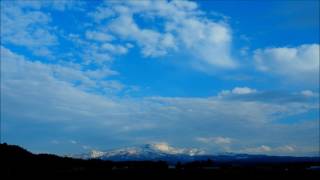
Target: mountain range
(153, 151)
(164, 152)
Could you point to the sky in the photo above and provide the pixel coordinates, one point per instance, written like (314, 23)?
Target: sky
(218, 76)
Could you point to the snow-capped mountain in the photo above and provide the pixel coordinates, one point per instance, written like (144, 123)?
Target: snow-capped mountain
(165, 152)
(154, 151)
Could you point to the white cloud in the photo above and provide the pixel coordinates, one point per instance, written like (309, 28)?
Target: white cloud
(263, 149)
(45, 94)
(243, 90)
(98, 36)
(237, 91)
(209, 42)
(40, 95)
(28, 28)
(102, 54)
(101, 13)
(299, 63)
(115, 49)
(183, 29)
(152, 42)
(24, 24)
(85, 79)
(112, 85)
(216, 140)
(100, 73)
(93, 54)
(214, 109)
(30, 25)
(285, 149)
(62, 5)
(73, 142)
(308, 93)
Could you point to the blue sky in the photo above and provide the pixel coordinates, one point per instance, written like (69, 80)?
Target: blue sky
(220, 76)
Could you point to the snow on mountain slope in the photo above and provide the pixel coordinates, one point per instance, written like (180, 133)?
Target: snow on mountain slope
(165, 152)
(154, 151)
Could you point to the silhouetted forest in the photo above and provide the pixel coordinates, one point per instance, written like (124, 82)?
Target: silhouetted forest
(18, 162)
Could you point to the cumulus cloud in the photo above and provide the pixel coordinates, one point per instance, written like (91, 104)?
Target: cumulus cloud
(25, 24)
(300, 63)
(98, 36)
(93, 54)
(237, 91)
(27, 28)
(97, 48)
(152, 42)
(209, 44)
(115, 49)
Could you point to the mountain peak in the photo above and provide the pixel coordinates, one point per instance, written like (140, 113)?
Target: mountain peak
(146, 151)
(166, 148)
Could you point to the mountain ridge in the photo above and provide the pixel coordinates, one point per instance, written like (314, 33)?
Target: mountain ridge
(152, 151)
(164, 152)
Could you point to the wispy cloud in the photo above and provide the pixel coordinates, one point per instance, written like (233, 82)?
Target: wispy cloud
(216, 140)
(40, 96)
(264, 149)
